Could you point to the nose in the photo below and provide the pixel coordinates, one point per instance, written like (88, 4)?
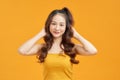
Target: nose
(57, 27)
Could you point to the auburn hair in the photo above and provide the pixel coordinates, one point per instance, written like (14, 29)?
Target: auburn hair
(66, 37)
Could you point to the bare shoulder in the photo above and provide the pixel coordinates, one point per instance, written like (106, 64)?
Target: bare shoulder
(39, 46)
(78, 48)
(34, 50)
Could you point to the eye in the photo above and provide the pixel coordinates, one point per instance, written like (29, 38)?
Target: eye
(61, 24)
(53, 23)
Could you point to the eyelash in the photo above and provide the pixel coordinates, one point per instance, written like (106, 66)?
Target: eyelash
(55, 24)
(61, 25)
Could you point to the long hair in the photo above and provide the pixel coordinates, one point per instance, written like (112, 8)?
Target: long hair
(66, 37)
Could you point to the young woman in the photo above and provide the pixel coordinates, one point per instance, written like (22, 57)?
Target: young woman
(58, 52)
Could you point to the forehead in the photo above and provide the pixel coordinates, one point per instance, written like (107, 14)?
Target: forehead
(59, 18)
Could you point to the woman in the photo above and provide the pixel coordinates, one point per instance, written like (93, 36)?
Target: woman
(58, 52)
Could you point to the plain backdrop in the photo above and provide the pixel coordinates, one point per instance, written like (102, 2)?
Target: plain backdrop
(96, 20)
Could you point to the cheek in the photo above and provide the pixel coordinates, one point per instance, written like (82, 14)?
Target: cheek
(51, 28)
(63, 30)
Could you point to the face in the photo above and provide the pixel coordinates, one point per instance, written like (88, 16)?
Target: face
(58, 26)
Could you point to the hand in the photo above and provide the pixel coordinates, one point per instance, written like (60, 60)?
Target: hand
(75, 33)
(42, 32)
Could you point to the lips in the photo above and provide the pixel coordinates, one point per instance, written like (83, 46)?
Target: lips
(56, 32)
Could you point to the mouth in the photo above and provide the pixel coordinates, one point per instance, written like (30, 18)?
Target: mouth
(56, 32)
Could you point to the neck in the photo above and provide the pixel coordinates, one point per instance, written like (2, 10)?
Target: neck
(57, 41)
(56, 46)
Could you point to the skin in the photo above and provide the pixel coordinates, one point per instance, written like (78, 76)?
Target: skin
(57, 29)
(58, 26)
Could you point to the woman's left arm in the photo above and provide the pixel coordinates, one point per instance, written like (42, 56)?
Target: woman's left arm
(86, 48)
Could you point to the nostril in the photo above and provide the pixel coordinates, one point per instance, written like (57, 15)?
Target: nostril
(57, 28)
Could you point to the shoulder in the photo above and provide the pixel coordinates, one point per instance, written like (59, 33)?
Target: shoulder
(77, 48)
(39, 45)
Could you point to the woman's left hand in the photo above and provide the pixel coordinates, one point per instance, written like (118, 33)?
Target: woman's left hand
(75, 33)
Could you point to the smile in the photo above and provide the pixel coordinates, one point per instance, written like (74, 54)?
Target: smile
(56, 32)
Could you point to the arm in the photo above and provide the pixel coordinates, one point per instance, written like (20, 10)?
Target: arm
(30, 47)
(86, 48)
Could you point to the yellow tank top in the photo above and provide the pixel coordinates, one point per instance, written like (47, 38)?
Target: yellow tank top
(57, 67)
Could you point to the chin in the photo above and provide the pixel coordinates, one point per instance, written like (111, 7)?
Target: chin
(57, 36)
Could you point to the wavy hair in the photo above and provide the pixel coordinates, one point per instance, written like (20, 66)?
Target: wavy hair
(66, 37)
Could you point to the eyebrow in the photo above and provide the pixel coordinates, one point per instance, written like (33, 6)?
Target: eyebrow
(55, 21)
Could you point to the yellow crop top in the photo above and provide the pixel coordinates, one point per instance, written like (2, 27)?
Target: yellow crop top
(57, 67)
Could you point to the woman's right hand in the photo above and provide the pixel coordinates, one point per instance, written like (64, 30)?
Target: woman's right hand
(42, 32)
(30, 46)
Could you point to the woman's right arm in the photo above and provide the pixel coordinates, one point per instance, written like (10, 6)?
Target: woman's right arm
(30, 47)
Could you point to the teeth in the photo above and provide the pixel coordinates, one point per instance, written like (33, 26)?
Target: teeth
(56, 32)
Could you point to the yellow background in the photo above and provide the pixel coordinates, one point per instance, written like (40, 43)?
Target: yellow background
(97, 20)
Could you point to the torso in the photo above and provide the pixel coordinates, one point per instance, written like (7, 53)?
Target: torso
(57, 66)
